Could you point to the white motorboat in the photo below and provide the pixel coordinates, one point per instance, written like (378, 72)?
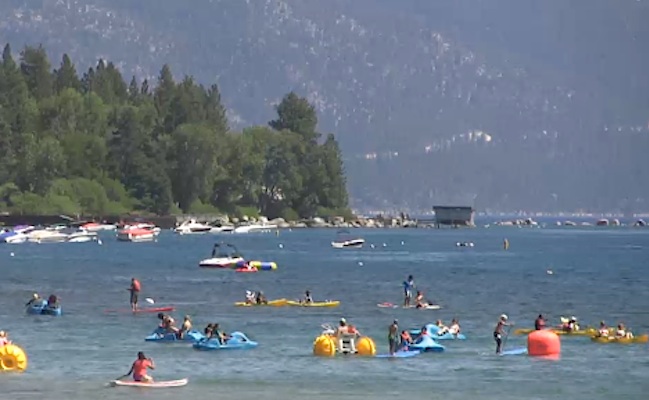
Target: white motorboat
(224, 255)
(97, 227)
(192, 227)
(222, 229)
(82, 236)
(348, 244)
(18, 234)
(254, 228)
(49, 235)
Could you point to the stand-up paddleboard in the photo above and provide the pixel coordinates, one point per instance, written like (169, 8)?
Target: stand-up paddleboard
(157, 385)
(400, 354)
(387, 305)
(142, 310)
(426, 307)
(514, 352)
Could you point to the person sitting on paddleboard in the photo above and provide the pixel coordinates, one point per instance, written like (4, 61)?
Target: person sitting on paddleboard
(393, 337)
(135, 291)
(251, 297)
(419, 300)
(406, 340)
(35, 298)
(454, 329)
(603, 330)
(408, 287)
(140, 368)
(539, 323)
(499, 331)
(185, 327)
(4, 340)
(307, 297)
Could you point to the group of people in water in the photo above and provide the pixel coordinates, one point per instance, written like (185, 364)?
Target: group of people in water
(52, 301)
(211, 331)
(258, 298)
(397, 342)
(408, 288)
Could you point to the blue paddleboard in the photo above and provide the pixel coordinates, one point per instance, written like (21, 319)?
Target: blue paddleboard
(514, 352)
(399, 354)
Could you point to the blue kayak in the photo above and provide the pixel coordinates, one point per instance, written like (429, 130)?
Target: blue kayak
(426, 344)
(237, 340)
(161, 335)
(400, 354)
(42, 308)
(434, 329)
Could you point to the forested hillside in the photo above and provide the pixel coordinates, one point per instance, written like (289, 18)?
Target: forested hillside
(509, 104)
(95, 143)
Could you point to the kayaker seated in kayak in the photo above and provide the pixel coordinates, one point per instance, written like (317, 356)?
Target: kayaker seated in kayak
(53, 301)
(539, 323)
(140, 368)
(251, 297)
(454, 329)
(186, 326)
(346, 333)
(307, 298)
(569, 325)
(622, 332)
(261, 299)
(603, 330)
(4, 340)
(36, 299)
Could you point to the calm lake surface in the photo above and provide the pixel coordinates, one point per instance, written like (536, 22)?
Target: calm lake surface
(598, 273)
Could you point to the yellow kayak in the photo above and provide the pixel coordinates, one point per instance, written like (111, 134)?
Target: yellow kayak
(613, 339)
(331, 303)
(558, 331)
(272, 303)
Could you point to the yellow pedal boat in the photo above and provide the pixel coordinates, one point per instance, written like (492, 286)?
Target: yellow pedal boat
(271, 303)
(330, 303)
(582, 332)
(613, 339)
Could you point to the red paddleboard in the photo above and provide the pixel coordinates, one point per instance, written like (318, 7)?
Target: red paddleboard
(142, 310)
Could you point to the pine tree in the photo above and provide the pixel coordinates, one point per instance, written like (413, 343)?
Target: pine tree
(35, 67)
(66, 76)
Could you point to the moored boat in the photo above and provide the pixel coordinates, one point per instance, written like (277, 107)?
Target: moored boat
(348, 244)
(192, 227)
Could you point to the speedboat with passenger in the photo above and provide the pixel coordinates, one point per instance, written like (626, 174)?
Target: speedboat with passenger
(224, 255)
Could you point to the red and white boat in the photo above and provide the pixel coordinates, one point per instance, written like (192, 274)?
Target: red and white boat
(138, 232)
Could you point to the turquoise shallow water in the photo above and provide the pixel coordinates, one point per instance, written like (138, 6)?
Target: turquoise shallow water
(598, 274)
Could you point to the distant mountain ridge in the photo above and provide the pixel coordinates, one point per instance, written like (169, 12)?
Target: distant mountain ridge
(406, 86)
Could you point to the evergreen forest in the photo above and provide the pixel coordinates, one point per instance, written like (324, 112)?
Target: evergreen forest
(93, 143)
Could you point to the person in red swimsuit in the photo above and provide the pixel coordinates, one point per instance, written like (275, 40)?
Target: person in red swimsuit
(140, 368)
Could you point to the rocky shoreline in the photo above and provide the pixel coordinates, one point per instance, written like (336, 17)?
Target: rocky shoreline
(316, 222)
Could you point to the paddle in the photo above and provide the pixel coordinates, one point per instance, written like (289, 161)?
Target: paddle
(149, 300)
(502, 348)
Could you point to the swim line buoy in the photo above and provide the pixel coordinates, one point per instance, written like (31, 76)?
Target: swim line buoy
(12, 359)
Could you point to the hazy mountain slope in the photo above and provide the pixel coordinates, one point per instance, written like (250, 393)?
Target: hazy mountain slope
(549, 82)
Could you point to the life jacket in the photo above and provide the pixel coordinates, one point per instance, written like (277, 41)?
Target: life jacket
(405, 336)
(136, 285)
(351, 329)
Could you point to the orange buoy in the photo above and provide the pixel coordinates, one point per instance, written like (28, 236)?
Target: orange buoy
(543, 343)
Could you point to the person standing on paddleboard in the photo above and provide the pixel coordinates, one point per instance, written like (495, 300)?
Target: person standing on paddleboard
(408, 287)
(140, 368)
(499, 331)
(393, 337)
(135, 291)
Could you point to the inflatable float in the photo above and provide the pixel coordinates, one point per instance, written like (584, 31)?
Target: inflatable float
(327, 303)
(263, 265)
(237, 340)
(12, 359)
(325, 345)
(433, 333)
(613, 339)
(156, 384)
(162, 336)
(271, 303)
(42, 308)
(426, 344)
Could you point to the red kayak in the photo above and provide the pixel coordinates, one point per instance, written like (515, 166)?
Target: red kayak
(142, 310)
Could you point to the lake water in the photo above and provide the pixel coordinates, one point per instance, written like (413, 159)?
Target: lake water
(599, 273)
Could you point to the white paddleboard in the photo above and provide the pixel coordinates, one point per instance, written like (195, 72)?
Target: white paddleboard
(157, 384)
(426, 307)
(387, 305)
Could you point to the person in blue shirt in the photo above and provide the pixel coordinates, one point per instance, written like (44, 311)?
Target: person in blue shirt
(408, 287)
